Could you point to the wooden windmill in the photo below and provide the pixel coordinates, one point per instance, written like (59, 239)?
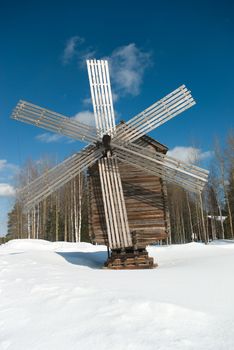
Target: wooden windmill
(111, 150)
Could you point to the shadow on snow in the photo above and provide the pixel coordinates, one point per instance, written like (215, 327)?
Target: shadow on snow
(93, 260)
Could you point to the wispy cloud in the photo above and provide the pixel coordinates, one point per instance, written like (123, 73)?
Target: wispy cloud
(128, 65)
(189, 154)
(6, 190)
(8, 171)
(47, 137)
(71, 48)
(5, 165)
(87, 101)
(75, 51)
(86, 117)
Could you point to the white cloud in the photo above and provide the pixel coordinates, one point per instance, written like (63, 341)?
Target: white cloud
(128, 64)
(115, 96)
(84, 55)
(189, 154)
(48, 138)
(6, 190)
(75, 51)
(87, 101)
(4, 165)
(85, 117)
(71, 48)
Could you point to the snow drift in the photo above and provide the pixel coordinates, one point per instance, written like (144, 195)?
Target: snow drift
(57, 296)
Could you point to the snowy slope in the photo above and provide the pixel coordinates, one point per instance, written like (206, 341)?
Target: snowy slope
(56, 296)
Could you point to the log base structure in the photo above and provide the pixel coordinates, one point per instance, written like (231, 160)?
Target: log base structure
(129, 259)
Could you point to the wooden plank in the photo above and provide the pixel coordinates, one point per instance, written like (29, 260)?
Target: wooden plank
(106, 201)
(161, 111)
(56, 177)
(123, 211)
(101, 95)
(112, 192)
(53, 121)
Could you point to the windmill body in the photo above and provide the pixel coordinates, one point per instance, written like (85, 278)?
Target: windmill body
(145, 199)
(114, 151)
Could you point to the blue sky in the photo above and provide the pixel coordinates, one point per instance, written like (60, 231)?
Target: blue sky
(153, 47)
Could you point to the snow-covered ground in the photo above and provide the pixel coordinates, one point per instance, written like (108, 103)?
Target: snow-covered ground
(56, 296)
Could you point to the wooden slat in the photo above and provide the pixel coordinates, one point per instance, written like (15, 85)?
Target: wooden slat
(169, 174)
(56, 177)
(114, 204)
(101, 95)
(157, 114)
(107, 204)
(52, 121)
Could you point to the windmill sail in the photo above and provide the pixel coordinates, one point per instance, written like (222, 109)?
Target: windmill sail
(159, 113)
(56, 177)
(118, 231)
(101, 94)
(52, 121)
(170, 175)
(194, 172)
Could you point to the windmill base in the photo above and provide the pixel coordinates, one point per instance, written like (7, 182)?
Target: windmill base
(129, 259)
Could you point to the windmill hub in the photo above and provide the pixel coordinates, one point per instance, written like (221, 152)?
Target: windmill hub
(106, 144)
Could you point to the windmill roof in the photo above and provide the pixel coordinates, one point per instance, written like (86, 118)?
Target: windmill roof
(155, 143)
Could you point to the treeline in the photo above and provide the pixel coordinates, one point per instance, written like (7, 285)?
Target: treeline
(64, 214)
(210, 216)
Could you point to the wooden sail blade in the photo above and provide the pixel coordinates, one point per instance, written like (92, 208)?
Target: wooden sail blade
(156, 157)
(99, 80)
(56, 177)
(52, 121)
(171, 166)
(118, 231)
(157, 114)
(169, 175)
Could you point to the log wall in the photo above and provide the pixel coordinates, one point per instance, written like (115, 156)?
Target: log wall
(146, 203)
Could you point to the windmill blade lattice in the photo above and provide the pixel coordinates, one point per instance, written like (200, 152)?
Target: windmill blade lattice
(114, 204)
(44, 118)
(112, 192)
(197, 176)
(101, 94)
(53, 179)
(159, 113)
(169, 175)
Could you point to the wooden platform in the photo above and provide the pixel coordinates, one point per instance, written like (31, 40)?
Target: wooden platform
(129, 259)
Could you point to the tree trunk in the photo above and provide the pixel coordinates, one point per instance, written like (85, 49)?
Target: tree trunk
(29, 225)
(56, 217)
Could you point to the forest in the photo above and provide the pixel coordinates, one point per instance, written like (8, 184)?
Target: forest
(63, 216)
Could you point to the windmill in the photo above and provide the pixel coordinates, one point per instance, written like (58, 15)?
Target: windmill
(110, 145)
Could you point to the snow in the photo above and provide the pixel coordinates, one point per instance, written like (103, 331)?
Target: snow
(217, 218)
(57, 296)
